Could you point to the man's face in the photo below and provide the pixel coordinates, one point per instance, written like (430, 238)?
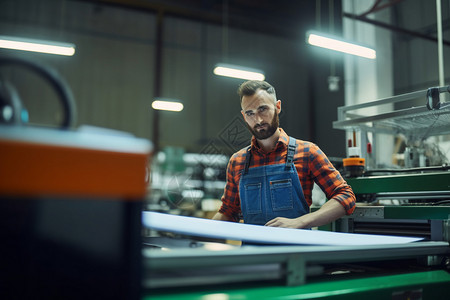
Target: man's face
(260, 112)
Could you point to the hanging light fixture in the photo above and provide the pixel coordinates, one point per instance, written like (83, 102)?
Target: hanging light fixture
(338, 44)
(167, 104)
(25, 44)
(229, 70)
(238, 72)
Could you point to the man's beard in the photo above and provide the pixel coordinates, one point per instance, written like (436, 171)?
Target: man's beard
(267, 132)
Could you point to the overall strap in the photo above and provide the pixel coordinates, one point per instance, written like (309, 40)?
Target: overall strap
(248, 158)
(290, 152)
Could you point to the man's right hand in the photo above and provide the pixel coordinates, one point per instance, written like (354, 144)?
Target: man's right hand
(220, 217)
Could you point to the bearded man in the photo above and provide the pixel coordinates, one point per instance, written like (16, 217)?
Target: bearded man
(270, 182)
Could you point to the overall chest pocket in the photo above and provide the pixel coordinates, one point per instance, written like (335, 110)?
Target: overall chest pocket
(253, 197)
(281, 194)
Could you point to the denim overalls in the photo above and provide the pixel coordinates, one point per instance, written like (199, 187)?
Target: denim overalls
(271, 191)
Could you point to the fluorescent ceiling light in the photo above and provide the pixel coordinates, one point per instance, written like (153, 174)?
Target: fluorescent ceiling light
(33, 45)
(337, 44)
(162, 104)
(238, 72)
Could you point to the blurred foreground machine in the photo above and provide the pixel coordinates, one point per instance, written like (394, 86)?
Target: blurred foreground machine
(70, 203)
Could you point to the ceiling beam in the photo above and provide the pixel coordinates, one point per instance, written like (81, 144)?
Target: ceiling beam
(284, 28)
(394, 28)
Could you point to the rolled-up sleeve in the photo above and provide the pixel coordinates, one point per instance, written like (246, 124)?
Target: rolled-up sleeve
(231, 205)
(330, 180)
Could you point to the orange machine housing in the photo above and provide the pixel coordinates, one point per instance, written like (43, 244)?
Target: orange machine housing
(70, 213)
(354, 166)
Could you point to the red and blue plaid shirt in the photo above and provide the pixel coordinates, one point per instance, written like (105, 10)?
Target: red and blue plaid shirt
(312, 166)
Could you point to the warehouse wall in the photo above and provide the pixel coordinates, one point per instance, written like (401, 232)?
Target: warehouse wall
(416, 63)
(192, 49)
(405, 63)
(112, 74)
(369, 80)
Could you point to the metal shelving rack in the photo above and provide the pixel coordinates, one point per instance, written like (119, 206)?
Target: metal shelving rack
(415, 123)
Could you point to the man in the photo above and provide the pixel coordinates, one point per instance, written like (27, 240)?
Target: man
(270, 183)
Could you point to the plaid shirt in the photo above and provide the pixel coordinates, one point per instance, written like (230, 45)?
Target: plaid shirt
(312, 166)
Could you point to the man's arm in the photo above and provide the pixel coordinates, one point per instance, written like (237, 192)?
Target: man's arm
(231, 207)
(330, 211)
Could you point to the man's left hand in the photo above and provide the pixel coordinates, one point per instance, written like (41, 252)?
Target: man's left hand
(329, 212)
(285, 222)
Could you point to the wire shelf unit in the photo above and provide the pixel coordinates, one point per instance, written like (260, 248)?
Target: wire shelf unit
(414, 122)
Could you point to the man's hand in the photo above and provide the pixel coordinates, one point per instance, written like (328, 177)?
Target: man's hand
(329, 212)
(220, 217)
(285, 222)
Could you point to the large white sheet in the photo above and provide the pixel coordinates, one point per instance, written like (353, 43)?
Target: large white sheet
(262, 234)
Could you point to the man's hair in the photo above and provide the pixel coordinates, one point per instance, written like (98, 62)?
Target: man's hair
(250, 87)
